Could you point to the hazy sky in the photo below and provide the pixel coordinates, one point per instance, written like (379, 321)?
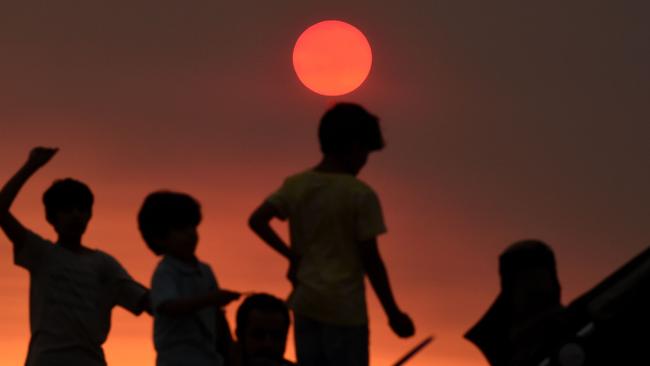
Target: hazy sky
(504, 120)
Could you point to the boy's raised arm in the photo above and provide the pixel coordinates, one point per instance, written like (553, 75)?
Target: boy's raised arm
(14, 230)
(400, 322)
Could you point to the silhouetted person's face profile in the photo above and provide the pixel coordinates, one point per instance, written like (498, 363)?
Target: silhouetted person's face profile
(68, 207)
(180, 242)
(262, 329)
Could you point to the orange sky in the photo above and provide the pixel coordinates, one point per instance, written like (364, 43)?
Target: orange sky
(503, 121)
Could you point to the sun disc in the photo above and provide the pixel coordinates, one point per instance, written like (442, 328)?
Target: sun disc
(332, 58)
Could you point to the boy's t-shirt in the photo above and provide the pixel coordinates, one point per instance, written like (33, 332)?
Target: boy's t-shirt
(70, 301)
(189, 339)
(329, 215)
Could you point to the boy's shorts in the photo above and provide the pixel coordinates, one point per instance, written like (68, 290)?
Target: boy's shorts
(320, 344)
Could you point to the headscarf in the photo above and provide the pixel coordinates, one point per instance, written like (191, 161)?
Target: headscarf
(493, 333)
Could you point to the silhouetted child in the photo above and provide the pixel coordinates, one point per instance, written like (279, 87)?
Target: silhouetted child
(334, 220)
(527, 311)
(185, 297)
(528, 325)
(73, 288)
(262, 327)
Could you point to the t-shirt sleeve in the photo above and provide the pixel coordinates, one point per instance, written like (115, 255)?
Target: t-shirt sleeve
(369, 218)
(163, 288)
(31, 253)
(280, 200)
(129, 293)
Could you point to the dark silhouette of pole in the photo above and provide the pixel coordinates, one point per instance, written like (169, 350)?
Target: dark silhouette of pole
(414, 351)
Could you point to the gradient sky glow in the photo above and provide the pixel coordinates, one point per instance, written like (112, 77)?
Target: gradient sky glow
(504, 120)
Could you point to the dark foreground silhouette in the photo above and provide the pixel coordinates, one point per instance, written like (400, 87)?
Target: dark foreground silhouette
(73, 287)
(527, 324)
(334, 221)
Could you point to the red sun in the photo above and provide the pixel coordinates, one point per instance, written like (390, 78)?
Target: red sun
(332, 58)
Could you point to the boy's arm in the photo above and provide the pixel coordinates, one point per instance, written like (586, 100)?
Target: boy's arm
(400, 322)
(188, 305)
(133, 296)
(14, 230)
(145, 303)
(130, 294)
(259, 222)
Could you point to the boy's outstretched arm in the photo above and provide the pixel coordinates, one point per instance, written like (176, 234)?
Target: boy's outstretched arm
(14, 230)
(400, 322)
(189, 305)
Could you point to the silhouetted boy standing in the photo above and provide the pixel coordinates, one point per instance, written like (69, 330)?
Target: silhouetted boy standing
(185, 297)
(334, 219)
(73, 288)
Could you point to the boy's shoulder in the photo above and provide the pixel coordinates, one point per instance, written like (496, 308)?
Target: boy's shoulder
(171, 265)
(102, 255)
(205, 268)
(164, 265)
(33, 238)
(345, 181)
(107, 262)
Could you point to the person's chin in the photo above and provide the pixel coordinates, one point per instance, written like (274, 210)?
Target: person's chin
(74, 232)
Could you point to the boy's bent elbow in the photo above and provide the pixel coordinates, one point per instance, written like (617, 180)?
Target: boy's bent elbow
(252, 220)
(5, 215)
(261, 217)
(255, 222)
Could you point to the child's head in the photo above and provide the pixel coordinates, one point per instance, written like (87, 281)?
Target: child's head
(68, 207)
(168, 222)
(529, 276)
(349, 133)
(262, 327)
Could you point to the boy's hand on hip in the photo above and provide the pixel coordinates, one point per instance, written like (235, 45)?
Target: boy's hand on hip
(401, 324)
(40, 156)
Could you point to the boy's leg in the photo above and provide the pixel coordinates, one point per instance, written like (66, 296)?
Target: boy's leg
(346, 345)
(320, 344)
(308, 339)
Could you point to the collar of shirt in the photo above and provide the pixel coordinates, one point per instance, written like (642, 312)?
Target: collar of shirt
(183, 267)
